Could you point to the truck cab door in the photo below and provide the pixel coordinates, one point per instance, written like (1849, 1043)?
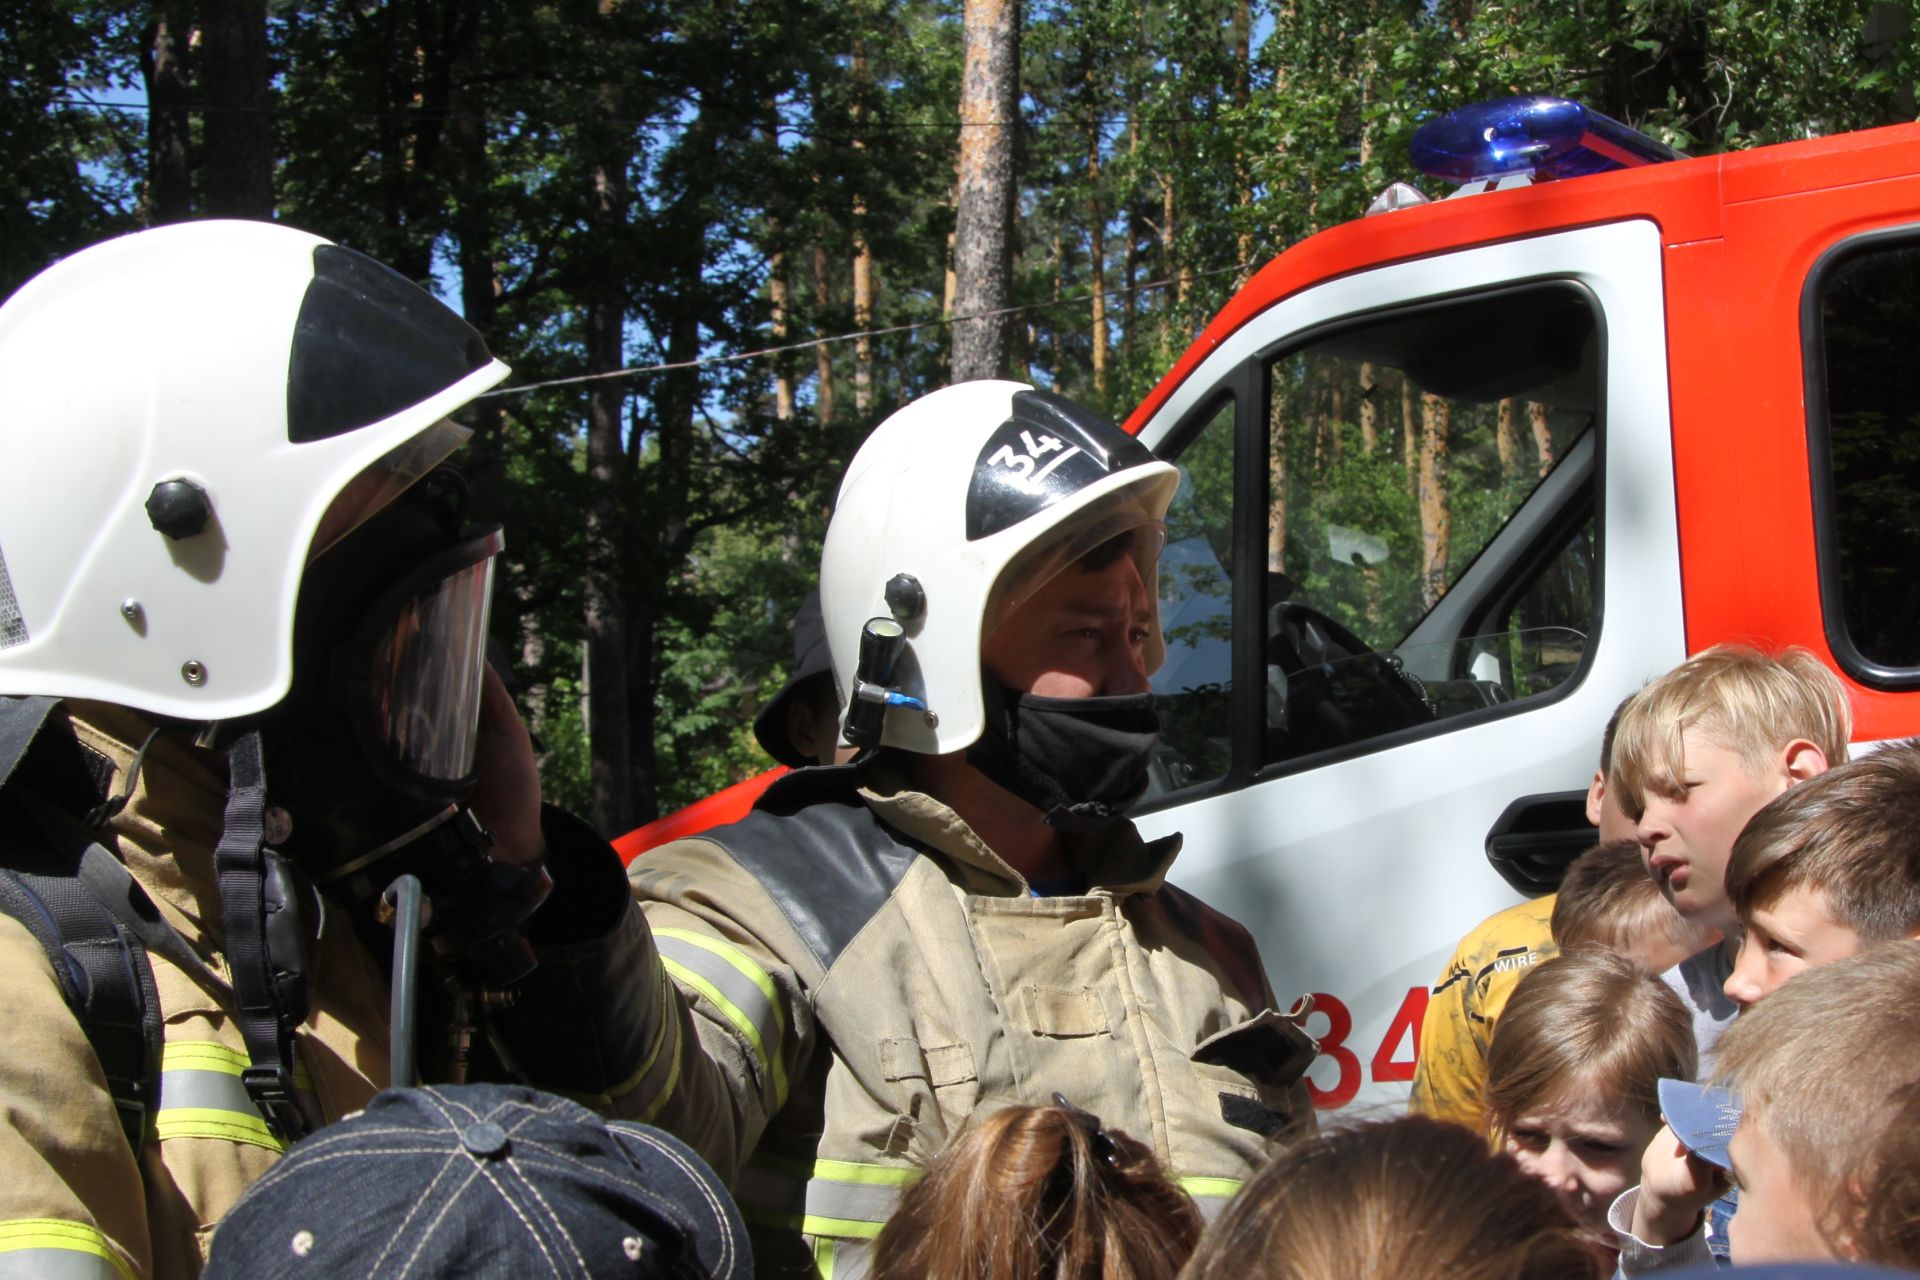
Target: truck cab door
(1423, 545)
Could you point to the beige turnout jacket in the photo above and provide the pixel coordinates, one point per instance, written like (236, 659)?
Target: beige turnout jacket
(73, 1202)
(848, 975)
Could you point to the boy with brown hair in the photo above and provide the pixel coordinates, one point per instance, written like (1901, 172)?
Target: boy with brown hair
(1827, 869)
(1824, 1070)
(1697, 753)
(1608, 900)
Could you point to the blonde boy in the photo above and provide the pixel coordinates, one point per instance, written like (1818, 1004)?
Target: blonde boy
(1827, 869)
(1697, 753)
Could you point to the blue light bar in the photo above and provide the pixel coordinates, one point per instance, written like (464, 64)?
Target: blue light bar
(1545, 137)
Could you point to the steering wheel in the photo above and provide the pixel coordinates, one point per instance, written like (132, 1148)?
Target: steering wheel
(1338, 689)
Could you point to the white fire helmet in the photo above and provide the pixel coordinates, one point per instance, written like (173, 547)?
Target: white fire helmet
(956, 510)
(188, 415)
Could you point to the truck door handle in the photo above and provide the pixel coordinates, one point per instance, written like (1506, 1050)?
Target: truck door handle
(1535, 837)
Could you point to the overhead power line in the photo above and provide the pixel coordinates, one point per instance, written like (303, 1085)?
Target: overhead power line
(737, 357)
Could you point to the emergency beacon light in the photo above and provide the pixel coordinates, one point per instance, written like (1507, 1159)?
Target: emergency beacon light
(1540, 136)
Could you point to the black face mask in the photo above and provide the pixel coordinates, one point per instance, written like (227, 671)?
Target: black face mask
(1081, 761)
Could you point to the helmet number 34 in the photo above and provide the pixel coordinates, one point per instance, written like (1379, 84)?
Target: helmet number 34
(1023, 464)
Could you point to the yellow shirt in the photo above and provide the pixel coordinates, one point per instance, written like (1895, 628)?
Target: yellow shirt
(1467, 1000)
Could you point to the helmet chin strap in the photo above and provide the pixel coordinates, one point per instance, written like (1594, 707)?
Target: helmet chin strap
(263, 904)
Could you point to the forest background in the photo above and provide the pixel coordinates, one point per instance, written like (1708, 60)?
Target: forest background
(668, 187)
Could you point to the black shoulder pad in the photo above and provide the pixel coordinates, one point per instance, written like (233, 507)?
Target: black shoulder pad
(821, 854)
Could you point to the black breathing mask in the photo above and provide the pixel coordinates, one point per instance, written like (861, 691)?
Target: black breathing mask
(370, 758)
(1081, 761)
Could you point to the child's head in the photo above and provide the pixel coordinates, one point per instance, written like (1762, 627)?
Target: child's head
(1573, 1074)
(1413, 1196)
(1699, 750)
(1889, 1225)
(1608, 900)
(1823, 1067)
(1603, 803)
(1827, 869)
(1035, 1193)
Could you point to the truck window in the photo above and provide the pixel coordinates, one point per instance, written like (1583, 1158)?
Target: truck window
(1864, 422)
(1420, 564)
(1192, 688)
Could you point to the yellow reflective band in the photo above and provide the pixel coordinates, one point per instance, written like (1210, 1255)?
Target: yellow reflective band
(823, 1258)
(203, 1122)
(808, 1224)
(666, 1090)
(732, 955)
(872, 1175)
(664, 1026)
(1214, 1188)
(741, 1022)
(211, 1055)
(58, 1233)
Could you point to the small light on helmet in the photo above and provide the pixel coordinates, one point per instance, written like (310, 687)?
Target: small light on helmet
(1541, 136)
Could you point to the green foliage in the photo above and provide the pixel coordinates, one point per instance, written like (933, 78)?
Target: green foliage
(756, 146)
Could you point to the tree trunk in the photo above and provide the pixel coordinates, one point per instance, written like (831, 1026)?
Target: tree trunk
(1542, 437)
(822, 354)
(1369, 408)
(1503, 438)
(607, 642)
(1242, 93)
(1409, 435)
(983, 230)
(169, 193)
(1436, 517)
(1276, 488)
(237, 128)
(782, 363)
(1096, 241)
(862, 252)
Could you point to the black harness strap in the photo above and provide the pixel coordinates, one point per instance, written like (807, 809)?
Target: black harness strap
(260, 903)
(101, 966)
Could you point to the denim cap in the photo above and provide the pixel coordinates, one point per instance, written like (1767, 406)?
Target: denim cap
(483, 1180)
(1702, 1117)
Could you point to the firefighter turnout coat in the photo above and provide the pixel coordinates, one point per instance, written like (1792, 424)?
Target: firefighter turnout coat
(75, 1201)
(845, 976)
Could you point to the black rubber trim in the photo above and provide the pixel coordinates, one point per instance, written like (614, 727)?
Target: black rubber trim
(820, 853)
(368, 343)
(1876, 675)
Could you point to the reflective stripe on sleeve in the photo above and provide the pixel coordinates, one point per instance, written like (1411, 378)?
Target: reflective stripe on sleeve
(739, 988)
(55, 1249)
(834, 1198)
(1210, 1195)
(201, 1095)
(842, 1259)
(659, 1071)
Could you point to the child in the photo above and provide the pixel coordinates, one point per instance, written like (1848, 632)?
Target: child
(1698, 752)
(1825, 1070)
(1827, 869)
(1473, 987)
(1040, 1193)
(1574, 1072)
(1407, 1197)
(1608, 900)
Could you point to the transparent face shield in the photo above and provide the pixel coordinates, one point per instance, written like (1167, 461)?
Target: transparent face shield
(1073, 538)
(390, 476)
(425, 663)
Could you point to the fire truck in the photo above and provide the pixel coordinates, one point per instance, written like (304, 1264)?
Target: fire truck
(1460, 475)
